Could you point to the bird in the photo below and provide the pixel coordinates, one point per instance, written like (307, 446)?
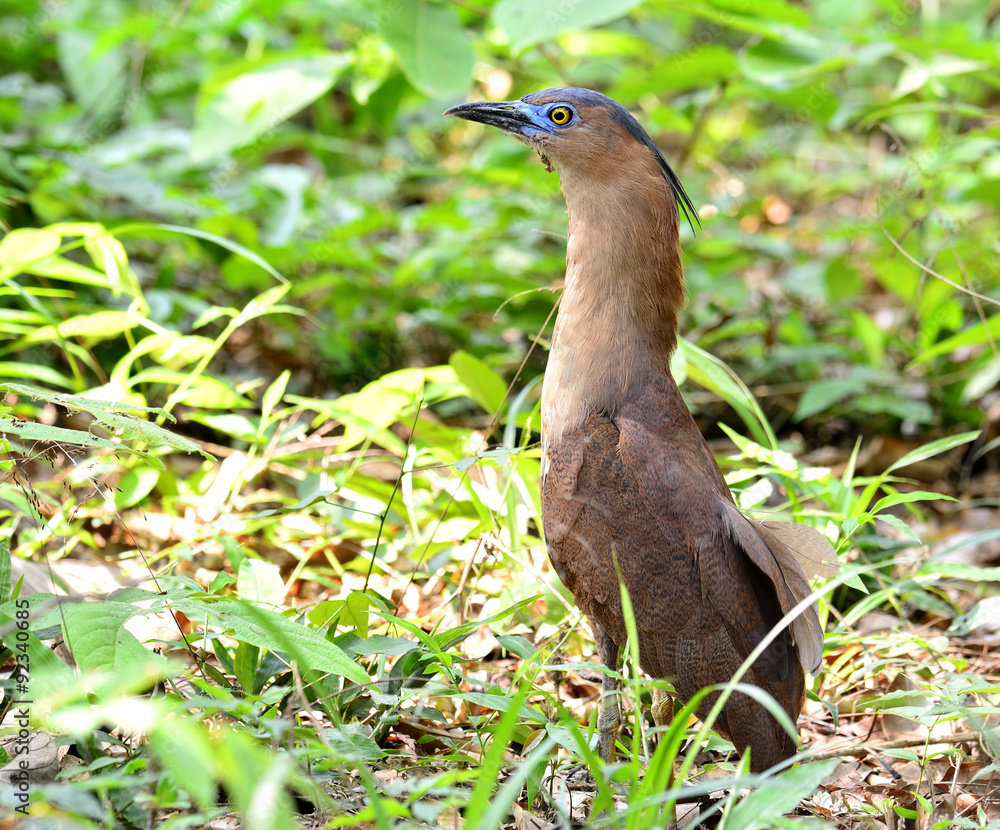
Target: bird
(631, 493)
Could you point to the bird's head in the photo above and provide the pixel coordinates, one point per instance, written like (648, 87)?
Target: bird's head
(580, 132)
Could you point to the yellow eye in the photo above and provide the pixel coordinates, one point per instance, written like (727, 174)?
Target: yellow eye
(561, 115)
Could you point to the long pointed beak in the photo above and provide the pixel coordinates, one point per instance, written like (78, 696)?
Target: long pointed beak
(513, 117)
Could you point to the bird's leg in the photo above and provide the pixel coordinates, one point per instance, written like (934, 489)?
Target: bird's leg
(610, 719)
(662, 709)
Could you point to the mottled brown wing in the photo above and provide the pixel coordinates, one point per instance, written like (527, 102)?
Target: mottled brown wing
(592, 511)
(685, 496)
(782, 566)
(644, 485)
(811, 549)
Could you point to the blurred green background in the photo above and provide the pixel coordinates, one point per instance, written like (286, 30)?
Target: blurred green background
(252, 217)
(838, 153)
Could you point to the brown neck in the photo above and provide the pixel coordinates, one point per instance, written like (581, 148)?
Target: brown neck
(617, 322)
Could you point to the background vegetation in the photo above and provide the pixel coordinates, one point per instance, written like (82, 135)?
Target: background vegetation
(268, 329)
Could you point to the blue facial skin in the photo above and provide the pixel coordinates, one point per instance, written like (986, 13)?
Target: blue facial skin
(520, 119)
(526, 120)
(541, 116)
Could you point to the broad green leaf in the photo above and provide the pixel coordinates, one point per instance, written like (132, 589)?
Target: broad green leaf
(233, 424)
(48, 671)
(169, 349)
(351, 742)
(380, 644)
(356, 612)
(778, 459)
(186, 751)
(528, 22)
(901, 526)
(272, 397)
(367, 413)
(34, 372)
(99, 326)
(766, 805)
(257, 780)
(135, 485)
(174, 350)
(108, 255)
(29, 432)
(201, 392)
(240, 102)
(916, 75)
(518, 645)
(260, 582)
(60, 268)
(266, 628)
(95, 67)
(823, 394)
(979, 334)
(96, 633)
(757, 493)
(117, 417)
(92, 328)
(499, 702)
(450, 638)
(433, 50)
(376, 406)
(984, 613)
(245, 661)
(263, 304)
(872, 339)
(982, 381)
(24, 246)
(906, 409)
(485, 386)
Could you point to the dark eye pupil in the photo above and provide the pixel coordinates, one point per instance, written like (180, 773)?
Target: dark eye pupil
(561, 115)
